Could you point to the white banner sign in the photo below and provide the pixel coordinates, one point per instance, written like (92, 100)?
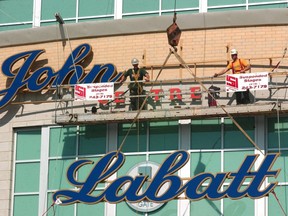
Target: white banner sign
(242, 82)
(94, 91)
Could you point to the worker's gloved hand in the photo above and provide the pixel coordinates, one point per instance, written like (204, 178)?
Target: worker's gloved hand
(216, 75)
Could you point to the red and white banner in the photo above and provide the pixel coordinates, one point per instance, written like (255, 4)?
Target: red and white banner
(94, 91)
(242, 82)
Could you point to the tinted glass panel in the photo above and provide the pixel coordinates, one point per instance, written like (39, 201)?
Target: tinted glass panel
(62, 141)
(28, 144)
(206, 134)
(130, 6)
(136, 141)
(26, 205)
(163, 136)
(92, 139)
(234, 138)
(14, 11)
(95, 7)
(67, 9)
(27, 177)
(224, 2)
(278, 130)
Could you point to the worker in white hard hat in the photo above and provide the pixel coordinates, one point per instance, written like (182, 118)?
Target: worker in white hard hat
(136, 74)
(237, 66)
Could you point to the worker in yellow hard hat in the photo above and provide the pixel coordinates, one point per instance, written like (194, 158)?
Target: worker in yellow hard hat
(136, 74)
(237, 66)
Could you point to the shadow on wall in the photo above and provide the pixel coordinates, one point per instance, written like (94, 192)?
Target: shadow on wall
(8, 113)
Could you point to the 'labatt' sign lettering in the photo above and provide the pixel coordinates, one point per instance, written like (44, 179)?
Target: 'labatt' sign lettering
(111, 163)
(44, 76)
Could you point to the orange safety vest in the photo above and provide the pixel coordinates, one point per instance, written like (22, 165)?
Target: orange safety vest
(241, 65)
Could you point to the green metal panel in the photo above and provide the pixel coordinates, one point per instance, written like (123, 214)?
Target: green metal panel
(205, 162)
(14, 11)
(66, 8)
(206, 134)
(15, 27)
(234, 138)
(170, 4)
(92, 139)
(278, 130)
(25, 205)
(130, 6)
(226, 9)
(95, 7)
(27, 177)
(268, 6)
(163, 136)
(224, 2)
(28, 144)
(262, 1)
(139, 15)
(57, 174)
(62, 141)
(136, 140)
(96, 19)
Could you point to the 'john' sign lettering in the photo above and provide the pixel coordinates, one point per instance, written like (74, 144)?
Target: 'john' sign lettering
(111, 163)
(44, 76)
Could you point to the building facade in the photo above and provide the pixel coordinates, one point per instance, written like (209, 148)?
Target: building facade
(43, 130)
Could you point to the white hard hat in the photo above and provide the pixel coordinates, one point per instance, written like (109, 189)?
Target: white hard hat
(234, 52)
(134, 61)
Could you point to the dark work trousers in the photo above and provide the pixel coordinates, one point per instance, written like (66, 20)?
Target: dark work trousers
(242, 97)
(137, 100)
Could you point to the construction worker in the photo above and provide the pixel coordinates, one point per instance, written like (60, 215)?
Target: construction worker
(238, 66)
(136, 74)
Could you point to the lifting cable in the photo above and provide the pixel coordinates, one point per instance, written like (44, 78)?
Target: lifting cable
(278, 122)
(278, 201)
(143, 104)
(62, 26)
(219, 105)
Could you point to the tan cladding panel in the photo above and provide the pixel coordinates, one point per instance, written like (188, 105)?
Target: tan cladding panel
(204, 50)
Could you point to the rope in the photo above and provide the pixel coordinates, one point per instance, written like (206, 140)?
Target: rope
(277, 65)
(276, 197)
(221, 106)
(278, 120)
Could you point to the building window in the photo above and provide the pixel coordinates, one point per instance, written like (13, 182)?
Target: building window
(27, 169)
(278, 143)
(67, 144)
(215, 143)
